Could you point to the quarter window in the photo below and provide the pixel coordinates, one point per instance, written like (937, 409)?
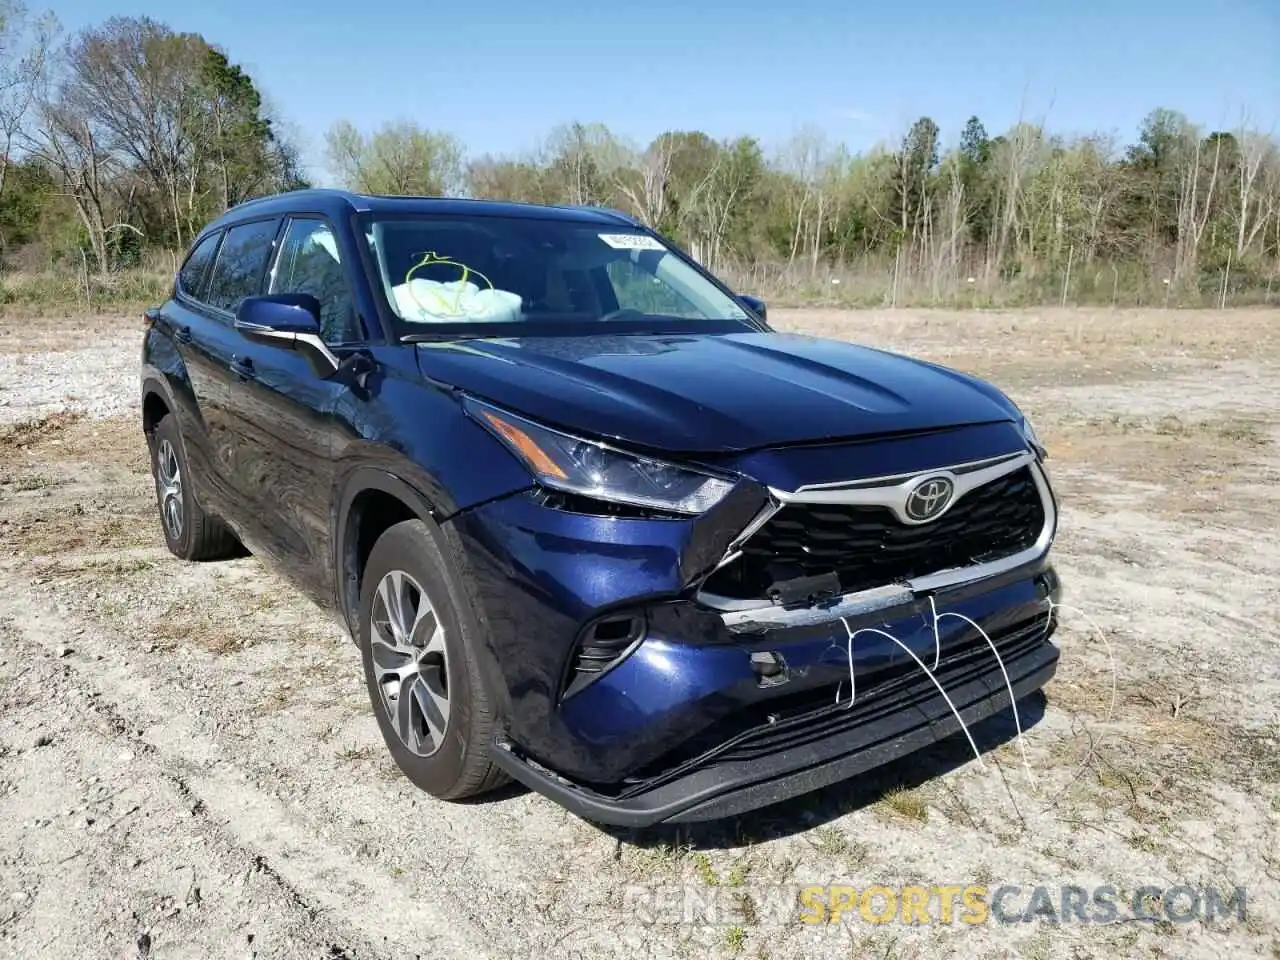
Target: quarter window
(192, 275)
(242, 260)
(309, 263)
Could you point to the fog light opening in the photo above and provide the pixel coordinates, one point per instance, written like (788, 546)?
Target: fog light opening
(602, 645)
(770, 668)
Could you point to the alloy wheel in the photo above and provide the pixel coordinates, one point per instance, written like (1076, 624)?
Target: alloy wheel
(410, 662)
(169, 475)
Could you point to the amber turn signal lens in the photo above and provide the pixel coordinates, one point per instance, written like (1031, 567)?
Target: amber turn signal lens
(541, 463)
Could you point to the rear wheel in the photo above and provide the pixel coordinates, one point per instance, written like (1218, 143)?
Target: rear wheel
(420, 646)
(189, 532)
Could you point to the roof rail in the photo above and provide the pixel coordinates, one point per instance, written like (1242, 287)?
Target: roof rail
(616, 214)
(303, 193)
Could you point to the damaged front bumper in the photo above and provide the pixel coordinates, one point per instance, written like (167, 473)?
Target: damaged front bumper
(899, 712)
(633, 698)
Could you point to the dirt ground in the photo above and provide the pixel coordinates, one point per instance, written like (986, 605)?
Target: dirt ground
(189, 766)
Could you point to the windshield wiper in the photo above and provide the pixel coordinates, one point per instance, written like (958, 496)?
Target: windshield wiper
(442, 335)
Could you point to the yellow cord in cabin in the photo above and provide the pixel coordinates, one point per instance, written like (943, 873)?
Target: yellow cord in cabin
(429, 259)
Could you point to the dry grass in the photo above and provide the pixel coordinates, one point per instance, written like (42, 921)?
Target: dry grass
(66, 332)
(358, 755)
(77, 485)
(1056, 336)
(27, 434)
(56, 292)
(907, 804)
(90, 525)
(1203, 460)
(876, 279)
(67, 440)
(1217, 442)
(1023, 349)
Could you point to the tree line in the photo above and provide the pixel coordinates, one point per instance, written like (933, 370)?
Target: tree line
(127, 136)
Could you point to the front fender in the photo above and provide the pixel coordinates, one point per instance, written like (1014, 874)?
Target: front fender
(410, 441)
(418, 433)
(346, 542)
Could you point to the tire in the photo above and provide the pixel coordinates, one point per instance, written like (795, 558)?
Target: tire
(189, 532)
(444, 747)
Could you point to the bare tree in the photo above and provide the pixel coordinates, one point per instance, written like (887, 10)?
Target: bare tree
(24, 48)
(646, 185)
(1257, 156)
(832, 164)
(1015, 160)
(71, 144)
(695, 173)
(802, 157)
(1194, 201)
(140, 80)
(584, 161)
(1270, 202)
(497, 178)
(1099, 188)
(722, 193)
(954, 224)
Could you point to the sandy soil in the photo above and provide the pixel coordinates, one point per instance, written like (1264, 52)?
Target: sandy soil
(189, 767)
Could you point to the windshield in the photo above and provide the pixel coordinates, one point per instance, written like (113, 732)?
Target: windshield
(474, 274)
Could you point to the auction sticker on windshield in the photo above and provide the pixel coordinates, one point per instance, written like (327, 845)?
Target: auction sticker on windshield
(631, 241)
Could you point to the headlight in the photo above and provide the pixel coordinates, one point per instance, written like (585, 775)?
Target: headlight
(594, 470)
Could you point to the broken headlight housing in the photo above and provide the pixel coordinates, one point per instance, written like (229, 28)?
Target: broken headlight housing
(590, 469)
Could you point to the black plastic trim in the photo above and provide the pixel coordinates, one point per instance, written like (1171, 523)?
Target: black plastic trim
(716, 792)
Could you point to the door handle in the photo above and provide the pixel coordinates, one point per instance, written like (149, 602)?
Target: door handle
(182, 334)
(242, 367)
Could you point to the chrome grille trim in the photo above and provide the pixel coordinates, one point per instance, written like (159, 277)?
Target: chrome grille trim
(756, 615)
(892, 491)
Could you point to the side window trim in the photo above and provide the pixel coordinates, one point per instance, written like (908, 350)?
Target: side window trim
(273, 263)
(288, 220)
(277, 251)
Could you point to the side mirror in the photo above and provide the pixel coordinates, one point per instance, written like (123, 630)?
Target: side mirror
(281, 313)
(756, 304)
(285, 319)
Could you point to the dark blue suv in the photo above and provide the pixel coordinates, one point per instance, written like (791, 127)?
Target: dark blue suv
(592, 523)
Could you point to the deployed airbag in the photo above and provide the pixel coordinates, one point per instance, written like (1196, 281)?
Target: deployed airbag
(431, 301)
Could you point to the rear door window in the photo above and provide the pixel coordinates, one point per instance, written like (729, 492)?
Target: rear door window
(242, 261)
(192, 276)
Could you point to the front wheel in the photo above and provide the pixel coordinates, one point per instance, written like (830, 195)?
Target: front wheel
(420, 647)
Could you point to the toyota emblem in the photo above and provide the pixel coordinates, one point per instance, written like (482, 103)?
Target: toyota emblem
(929, 498)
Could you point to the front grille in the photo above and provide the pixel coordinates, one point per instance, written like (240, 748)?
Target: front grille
(866, 546)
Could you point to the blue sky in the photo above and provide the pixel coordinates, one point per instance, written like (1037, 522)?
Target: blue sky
(501, 73)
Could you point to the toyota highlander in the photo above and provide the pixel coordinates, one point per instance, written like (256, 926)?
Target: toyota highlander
(593, 523)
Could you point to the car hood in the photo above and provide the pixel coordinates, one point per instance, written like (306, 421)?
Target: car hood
(712, 392)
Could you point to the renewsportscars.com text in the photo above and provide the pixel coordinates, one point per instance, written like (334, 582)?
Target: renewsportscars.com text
(933, 904)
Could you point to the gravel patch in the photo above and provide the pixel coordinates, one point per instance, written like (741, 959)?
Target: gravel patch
(99, 381)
